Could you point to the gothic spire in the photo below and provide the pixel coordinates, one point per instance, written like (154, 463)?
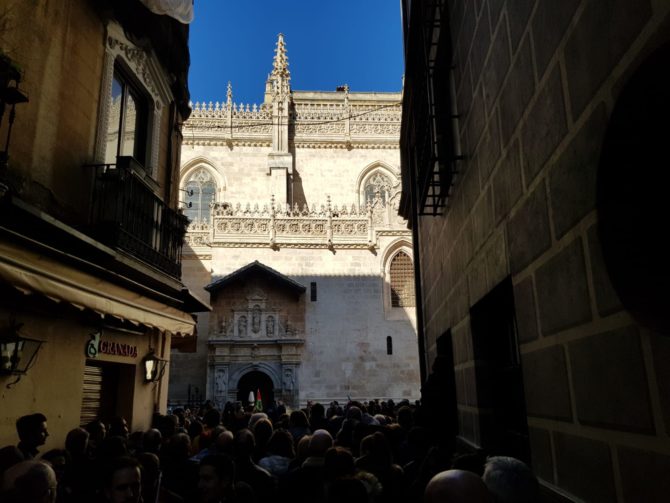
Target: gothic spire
(229, 93)
(280, 62)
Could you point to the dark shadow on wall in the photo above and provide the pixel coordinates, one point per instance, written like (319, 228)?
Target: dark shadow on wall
(632, 200)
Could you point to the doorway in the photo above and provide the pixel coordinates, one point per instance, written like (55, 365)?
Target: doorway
(255, 381)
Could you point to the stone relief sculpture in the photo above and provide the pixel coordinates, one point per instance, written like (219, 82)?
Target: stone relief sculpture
(270, 326)
(288, 380)
(242, 326)
(256, 319)
(220, 381)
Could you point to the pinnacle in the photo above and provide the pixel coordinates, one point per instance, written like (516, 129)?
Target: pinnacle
(280, 62)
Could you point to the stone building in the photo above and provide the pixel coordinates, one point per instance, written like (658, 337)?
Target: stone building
(294, 233)
(533, 183)
(90, 234)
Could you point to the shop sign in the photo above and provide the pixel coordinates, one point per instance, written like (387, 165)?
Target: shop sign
(95, 346)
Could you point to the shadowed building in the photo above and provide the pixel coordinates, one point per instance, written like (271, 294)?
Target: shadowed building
(533, 136)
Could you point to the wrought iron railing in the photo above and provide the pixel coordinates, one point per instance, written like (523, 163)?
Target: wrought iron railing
(128, 215)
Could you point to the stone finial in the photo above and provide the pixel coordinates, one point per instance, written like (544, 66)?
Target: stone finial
(229, 93)
(280, 62)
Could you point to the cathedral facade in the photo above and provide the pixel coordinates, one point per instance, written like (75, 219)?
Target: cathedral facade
(296, 239)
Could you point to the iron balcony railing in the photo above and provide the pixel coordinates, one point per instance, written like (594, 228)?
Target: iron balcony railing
(128, 215)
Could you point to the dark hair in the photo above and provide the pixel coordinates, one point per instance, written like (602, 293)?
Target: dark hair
(281, 444)
(114, 465)
(222, 464)
(298, 418)
(212, 418)
(27, 424)
(76, 441)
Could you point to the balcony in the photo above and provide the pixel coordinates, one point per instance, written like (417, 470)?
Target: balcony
(127, 215)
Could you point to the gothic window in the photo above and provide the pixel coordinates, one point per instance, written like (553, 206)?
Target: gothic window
(128, 120)
(200, 193)
(402, 281)
(380, 184)
(389, 345)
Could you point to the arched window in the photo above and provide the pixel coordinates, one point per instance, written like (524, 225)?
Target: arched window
(389, 345)
(200, 193)
(377, 184)
(402, 281)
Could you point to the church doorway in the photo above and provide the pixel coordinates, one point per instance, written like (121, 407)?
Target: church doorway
(255, 381)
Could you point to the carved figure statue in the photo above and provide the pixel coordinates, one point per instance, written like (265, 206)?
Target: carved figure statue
(288, 379)
(242, 326)
(270, 326)
(220, 381)
(256, 319)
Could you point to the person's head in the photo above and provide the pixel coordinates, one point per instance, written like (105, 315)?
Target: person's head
(338, 463)
(510, 480)
(354, 413)
(281, 444)
(118, 427)
(244, 443)
(456, 486)
(122, 480)
(150, 472)
(30, 482)
(320, 442)
(224, 442)
(59, 459)
(32, 429)
(316, 412)
(152, 441)
(215, 477)
(405, 419)
(179, 446)
(76, 442)
(212, 418)
(350, 490)
(262, 431)
(302, 449)
(97, 431)
(298, 419)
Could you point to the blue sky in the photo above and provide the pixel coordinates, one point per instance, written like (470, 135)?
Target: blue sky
(355, 42)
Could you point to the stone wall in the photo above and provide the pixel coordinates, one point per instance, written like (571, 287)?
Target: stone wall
(536, 81)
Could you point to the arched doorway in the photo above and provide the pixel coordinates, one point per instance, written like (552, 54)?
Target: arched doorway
(255, 381)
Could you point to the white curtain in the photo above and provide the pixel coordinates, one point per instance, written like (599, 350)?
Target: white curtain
(181, 10)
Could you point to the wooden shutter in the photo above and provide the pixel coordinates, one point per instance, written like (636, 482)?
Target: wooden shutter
(92, 393)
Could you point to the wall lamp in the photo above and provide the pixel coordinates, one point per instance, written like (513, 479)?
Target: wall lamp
(10, 96)
(154, 367)
(17, 353)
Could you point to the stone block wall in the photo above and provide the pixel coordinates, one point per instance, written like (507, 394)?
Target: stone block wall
(536, 81)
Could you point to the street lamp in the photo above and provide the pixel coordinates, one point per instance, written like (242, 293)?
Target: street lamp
(154, 367)
(17, 353)
(10, 95)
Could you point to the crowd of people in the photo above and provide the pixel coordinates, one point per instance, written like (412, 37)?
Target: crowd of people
(370, 452)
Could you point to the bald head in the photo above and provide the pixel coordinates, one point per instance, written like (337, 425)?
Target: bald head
(456, 486)
(31, 481)
(320, 442)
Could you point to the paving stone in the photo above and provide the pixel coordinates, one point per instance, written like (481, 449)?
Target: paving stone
(482, 219)
(562, 291)
(524, 305)
(550, 21)
(528, 233)
(476, 121)
(610, 381)
(604, 31)
(572, 179)
(584, 468)
(497, 268)
(545, 126)
(517, 91)
(545, 378)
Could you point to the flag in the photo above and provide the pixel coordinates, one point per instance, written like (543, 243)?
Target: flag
(259, 402)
